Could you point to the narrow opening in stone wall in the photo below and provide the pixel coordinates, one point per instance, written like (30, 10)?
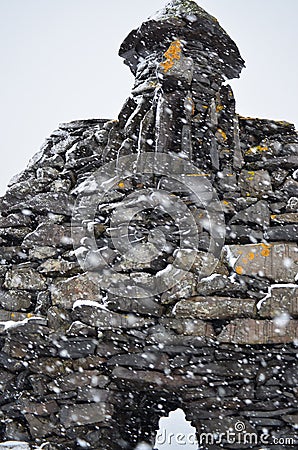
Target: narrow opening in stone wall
(175, 433)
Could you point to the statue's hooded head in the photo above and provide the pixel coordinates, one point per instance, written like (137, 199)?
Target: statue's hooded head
(197, 32)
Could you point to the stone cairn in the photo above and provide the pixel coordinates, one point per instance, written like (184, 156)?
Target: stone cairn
(91, 357)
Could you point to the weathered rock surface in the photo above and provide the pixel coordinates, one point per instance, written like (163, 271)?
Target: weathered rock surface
(276, 261)
(281, 300)
(215, 308)
(24, 279)
(260, 332)
(85, 414)
(14, 300)
(49, 233)
(66, 293)
(108, 320)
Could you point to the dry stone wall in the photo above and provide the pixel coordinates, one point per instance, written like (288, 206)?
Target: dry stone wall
(88, 362)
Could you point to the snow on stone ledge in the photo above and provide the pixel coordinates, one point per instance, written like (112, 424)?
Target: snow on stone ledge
(81, 303)
(275, 286)
(15, 445)
(14, 324)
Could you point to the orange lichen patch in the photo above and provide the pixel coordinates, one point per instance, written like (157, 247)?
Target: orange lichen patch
(239, 270)
(245, 260)
(223, 134)
(29, 315)
(251, 256)
(273, 216)
(266, 250)
(225, 202)
(262, 149)
(121, 185)
(172, 54)
(257, 149)
(192, 104)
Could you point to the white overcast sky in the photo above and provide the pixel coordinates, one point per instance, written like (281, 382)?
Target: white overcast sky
(59, 62)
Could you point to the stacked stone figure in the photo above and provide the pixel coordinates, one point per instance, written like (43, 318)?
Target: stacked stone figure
(103, 333)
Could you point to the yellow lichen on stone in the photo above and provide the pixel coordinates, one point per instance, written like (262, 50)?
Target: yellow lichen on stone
(12, 315)
(283, 123)
(251, 256)
(223, 134)
(262, 149)
(254, 150)
(172, 54)
(266, 250)
(219, 108)
(251, 176)
(191, 103)
(121, 185)
(198, 174)
(239, 270)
